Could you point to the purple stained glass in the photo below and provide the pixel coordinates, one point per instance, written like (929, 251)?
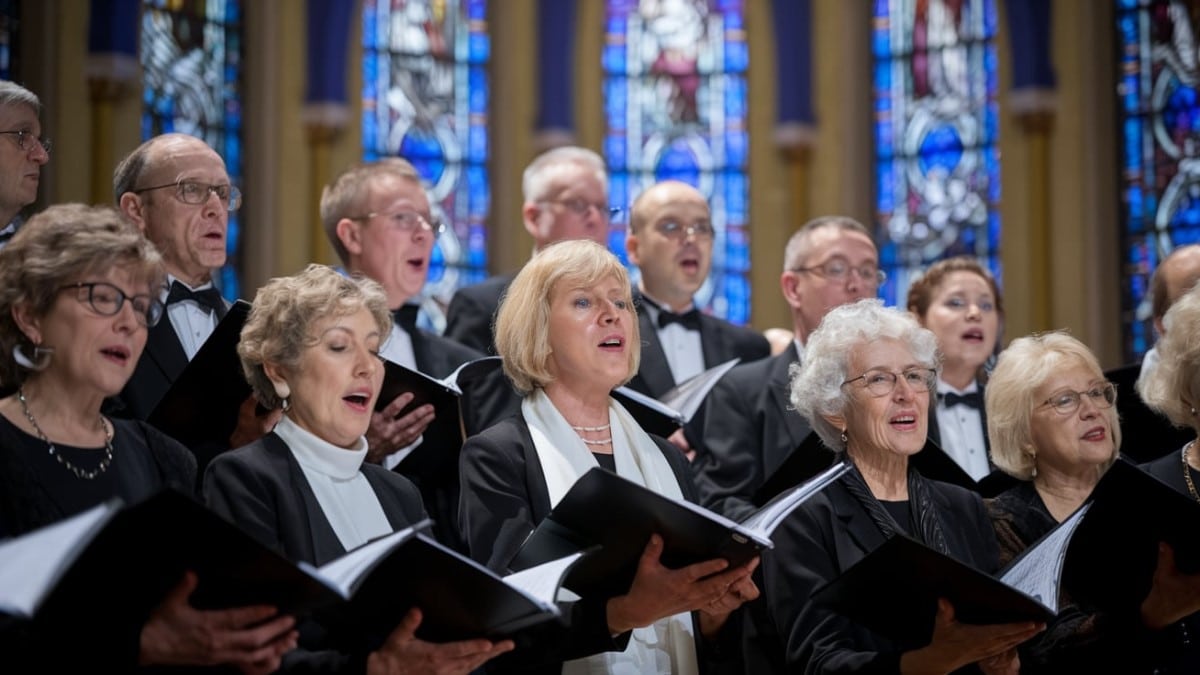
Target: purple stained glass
(1157, 82)
(425, 98)
(937, 164)
(191, 81)
(675, 107)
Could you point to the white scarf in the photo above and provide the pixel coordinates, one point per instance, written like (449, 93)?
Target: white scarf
(668, 645)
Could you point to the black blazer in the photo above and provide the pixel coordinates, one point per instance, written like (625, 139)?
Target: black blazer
(719, 339)
(820, 540)
(471, 316)
(749, 430)
(262, 489)
(504, 496)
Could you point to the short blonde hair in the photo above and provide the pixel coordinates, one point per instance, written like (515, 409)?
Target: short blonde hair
(1022, 368)
(1172, 387)
(345, 197)
(523, 320)
(284, 310)
(59, 246)
(816, 387)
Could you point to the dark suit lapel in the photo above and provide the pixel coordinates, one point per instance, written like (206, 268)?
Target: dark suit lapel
(934, 432)
(388, 500)
(654, 370)
(712, 342)
(164, 349)
(778, 385)
(862, 532)
(325, 544)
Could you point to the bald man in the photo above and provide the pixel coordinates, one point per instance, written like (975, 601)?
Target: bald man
(670, 239)
(176, 190)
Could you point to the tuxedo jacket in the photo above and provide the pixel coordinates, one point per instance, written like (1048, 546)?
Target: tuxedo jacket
(262, 489)
(719, 339)
(749, 430)
(814, 545)
(471, 317)
(504, 497)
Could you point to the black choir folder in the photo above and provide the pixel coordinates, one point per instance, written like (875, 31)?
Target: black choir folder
(112, 562)
(662, 416)
(202, 404)
(445, 395)
(615, 518)
(894, 589)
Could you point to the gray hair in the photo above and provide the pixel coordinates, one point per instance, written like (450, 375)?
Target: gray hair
(539, 175)
(1172, 387)
(13, 94)
(816, 388)
(797, 249)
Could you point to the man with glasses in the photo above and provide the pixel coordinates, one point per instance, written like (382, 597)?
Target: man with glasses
(750, 428)
(22, 154)
(670, 239)
(176, 190)
(379, 220)
(566, 197)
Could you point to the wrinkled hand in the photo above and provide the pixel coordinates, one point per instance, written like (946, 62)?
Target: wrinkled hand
(955, 644)
(1173, 595)
(246, 637)
(1008, 663)
(659, 592)
(389, 433)
(250, 427)
(402, 652)
(679, 440)
(714, 615)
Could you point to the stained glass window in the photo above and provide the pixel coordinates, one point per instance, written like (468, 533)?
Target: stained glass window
(675, 108)
(425, 98)
(10, 17)
(1158, 76)
(937, 167)
(191, 76)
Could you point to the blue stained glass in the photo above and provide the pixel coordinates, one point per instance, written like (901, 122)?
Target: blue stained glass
(937, 169)
(191, 83)
(675, 105)
(1160, 126)
(426, 98)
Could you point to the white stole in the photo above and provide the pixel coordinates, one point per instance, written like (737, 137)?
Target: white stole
(669, 644)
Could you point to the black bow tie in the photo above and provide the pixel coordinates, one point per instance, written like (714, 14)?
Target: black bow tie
(689, 319)
(971, 400)
(405, 317)
(208, 298)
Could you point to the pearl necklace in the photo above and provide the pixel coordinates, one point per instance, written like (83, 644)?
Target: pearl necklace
(79, 473)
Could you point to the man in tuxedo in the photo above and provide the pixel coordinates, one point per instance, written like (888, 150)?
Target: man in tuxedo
(670, 239)
(566, 197)
(176, 190)
(21, 156)
(378, 219)
(750, 430)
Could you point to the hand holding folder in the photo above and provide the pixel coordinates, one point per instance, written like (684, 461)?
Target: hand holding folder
(609, 512)
(82, 568)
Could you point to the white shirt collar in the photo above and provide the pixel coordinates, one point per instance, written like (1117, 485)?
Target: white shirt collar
(316, 454)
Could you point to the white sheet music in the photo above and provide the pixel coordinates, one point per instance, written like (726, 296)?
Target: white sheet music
(1038, 571)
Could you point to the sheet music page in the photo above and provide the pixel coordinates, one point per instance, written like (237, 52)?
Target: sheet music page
(1038, 571)
(689, 395)
(30, 564)
(765, 520)
(541, 582)
(345, 571)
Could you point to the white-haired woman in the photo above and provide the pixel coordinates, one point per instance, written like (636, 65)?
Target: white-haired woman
(864, 387)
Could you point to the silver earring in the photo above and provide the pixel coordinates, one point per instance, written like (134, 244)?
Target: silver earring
(1193, 411)
(40, 360)
(845, 438)
(1033, 455)
(285, 404)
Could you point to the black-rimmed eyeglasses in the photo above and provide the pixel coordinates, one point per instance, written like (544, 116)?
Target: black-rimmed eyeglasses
(882, 382)
(196, 193)
(407, 221)
(839, 270)
(26, 140)
(1067, 402)
(106, 299)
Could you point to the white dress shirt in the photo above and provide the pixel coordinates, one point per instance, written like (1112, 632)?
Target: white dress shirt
(192, 323)
(961, 429)
(682, 347)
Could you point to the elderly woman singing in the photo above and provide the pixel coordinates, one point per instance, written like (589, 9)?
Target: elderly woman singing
(865, 387)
